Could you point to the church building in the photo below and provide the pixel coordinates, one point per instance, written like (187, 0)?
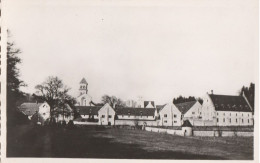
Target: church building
(84, 99)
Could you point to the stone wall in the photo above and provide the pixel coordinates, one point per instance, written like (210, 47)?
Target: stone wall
(202, 133)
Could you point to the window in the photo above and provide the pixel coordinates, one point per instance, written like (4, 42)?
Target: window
(109, 116)
(193, 112)
(248, 115)
(217, 119)
(224, 114)
(147, 116)
(248, 120)
(242, 120)
(236, 120)
(223, 119)
(165, 115)
(242, 114)
(43, 113)
(175, 121)
(175, 115)
(230, 120)
(236, 114)
(103, 116)
(165, 121)
(122, 115)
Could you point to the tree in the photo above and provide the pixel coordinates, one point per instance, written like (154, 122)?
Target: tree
(249, 93)
(181, 99)
(13, 82)
(113, 101)
(55, 93)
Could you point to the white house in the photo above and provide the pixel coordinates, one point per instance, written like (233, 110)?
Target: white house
(170, 115)
(83, 99)
(136, 116)
(190, 110)
(106, 115)
(226, 110)
(30, 108)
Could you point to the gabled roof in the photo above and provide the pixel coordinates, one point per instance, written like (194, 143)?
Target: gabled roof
(185, 107)
(29, 108)
(186, 123)
(83, 81)
(88, 110)
(229, 103)
(159, 107)
(146, 103)
(135, 111)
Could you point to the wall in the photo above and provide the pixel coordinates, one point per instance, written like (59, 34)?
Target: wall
(196, 109)
(232, 118)
(201, 133)
(136, 117)
(109, 115)
(44, 111)
(169, 120)
(133, 122)
(85, 123)
(207, 108)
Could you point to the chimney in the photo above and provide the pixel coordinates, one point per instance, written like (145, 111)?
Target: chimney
(212, 92)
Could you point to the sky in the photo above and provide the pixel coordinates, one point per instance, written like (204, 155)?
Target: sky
(154, 49)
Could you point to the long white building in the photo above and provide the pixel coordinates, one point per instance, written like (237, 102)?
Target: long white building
(225, 110)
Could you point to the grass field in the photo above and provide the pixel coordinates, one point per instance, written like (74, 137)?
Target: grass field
(92, 142)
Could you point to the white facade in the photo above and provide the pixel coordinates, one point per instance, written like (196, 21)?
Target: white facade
(106, 115)
(228, 118)
(194, 112)
(84, 100)
(44, 110)
(170, 116)
(224, 118)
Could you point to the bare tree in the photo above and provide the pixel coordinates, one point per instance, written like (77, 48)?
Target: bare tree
(113, 101)
(55, 93)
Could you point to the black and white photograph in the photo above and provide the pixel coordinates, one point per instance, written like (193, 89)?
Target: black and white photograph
(147, 80)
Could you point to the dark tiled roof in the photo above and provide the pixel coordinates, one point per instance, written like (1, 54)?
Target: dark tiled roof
(159, 107)
(135, 111)
(229, 103)
(88, 110)
(147, 102)
(184, 107)
(186, 124)
(83, 81)
(29, 108)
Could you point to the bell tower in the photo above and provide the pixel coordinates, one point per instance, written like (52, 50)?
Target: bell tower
(83, 87)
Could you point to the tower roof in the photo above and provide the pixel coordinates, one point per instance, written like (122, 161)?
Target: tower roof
(83, 81)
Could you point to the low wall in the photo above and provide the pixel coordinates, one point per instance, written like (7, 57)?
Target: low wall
(163, 130)
(85, 123)
(202, 133)
(133, 122)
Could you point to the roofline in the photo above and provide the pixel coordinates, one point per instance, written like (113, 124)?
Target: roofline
(247, 102)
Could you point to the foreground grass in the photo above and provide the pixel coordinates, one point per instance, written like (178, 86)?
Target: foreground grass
(92, 142)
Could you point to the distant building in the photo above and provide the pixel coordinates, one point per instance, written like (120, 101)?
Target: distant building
(95, 115)
(83, 99)
(136, 116)
(226, 110)
(170, 115)
(149, 104)
(190, 110)
(29, 109)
